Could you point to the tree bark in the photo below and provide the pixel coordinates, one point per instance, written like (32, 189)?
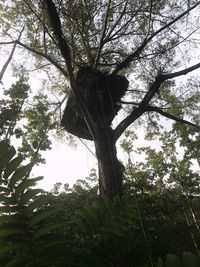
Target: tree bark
(110, 168)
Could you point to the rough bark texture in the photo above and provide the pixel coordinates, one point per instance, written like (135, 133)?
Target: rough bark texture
(110, 168)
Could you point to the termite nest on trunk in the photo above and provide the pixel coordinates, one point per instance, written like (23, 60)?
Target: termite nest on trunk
(101, 94)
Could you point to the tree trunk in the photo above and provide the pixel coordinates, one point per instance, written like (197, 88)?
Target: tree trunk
(110, 168)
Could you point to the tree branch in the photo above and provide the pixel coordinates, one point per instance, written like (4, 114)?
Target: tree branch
(170, 116)
(50, 59)
(144, 104)
(10, 57)
(182, 72)
(101, 43)
(137, 52)
(66, 53)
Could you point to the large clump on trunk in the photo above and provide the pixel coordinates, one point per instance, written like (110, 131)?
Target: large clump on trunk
(101, 94)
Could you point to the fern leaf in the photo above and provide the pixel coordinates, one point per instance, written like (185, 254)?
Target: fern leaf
(18, 261)
(7, 152)
(9, 248)
(172, 261)
(12, 166)
(8, 209)
(15, 218)
(20, 173)
(11, 231)
(37, 203)
(7, 200)
(4, 189)
(25, 184)
(160, 263)
(42, 215)
(189, 260)
(29, 194)
(47, 230)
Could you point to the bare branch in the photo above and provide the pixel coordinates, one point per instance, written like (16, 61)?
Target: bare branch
(129, 103)
(108, 36)
(182, 72)
(135, 114)
(137, 52)
(50, 59)
(144, 104)
(170, 116)
(101, 43)
(10, 57)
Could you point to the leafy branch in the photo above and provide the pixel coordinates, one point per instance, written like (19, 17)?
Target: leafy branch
(143, 106)
(146, 40)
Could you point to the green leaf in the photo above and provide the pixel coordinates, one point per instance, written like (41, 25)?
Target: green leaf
(20, 173)
(189, 260)
(7, 200)
(11, 231)
(42, 215)
(19, 260)
(172, 261)
(37, 204)
(8, 248)
(160, 263)
(9, 209)
(29, 194)
(4, 189)
(47, 230)
(6, 154)
(15, 218)
(3, 148)
(12, 166)
(25, 184)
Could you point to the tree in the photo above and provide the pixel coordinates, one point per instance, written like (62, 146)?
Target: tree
(76, 228)
(29, 123)
(139, 38)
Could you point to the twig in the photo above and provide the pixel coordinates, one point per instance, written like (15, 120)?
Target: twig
(146, 40)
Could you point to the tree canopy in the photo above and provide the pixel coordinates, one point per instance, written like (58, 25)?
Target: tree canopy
(151, 42)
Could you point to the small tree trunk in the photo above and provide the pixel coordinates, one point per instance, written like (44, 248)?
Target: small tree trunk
(110, 168)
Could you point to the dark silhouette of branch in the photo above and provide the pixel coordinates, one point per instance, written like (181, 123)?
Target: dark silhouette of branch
(170, 116)
(144, 104)
(63, 46)
(137, 52)
(182, 72)
(44, 55)
(66, 53)
(10, 57)
(101, 43)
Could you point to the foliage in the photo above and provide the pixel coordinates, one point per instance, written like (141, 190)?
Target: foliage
(75, 228)
(187, 260)
(28, 236)
(159, 217)
(28, 123)
(35, 230)
(152, 42)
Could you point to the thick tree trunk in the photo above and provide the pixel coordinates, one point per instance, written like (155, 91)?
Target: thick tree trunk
(110, 168)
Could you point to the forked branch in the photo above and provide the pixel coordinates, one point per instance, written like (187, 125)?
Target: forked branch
(138, 51)
(144, 104)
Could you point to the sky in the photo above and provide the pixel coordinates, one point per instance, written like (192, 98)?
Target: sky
(66, 164)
